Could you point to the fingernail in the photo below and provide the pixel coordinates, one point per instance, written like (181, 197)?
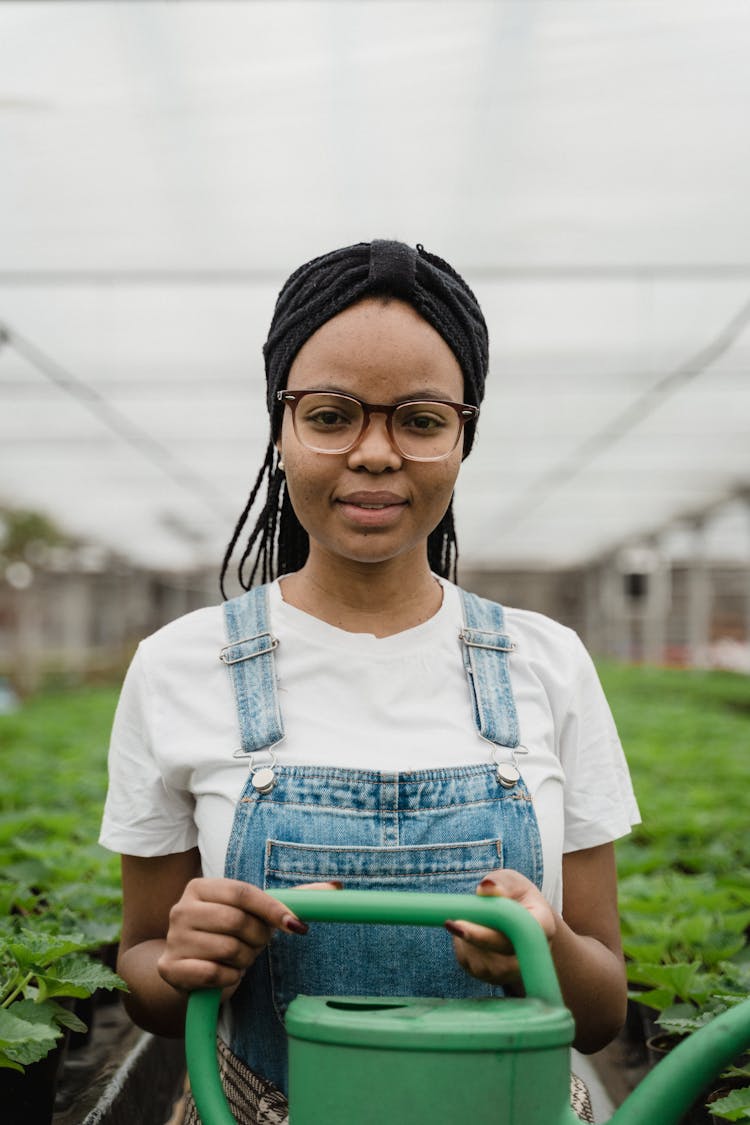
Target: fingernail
(488, 883)
(337, 884)
(452, 928)
(289, 922)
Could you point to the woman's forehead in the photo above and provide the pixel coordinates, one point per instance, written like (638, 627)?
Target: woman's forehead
(378, 341)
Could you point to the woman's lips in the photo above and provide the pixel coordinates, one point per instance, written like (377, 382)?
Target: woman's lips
(372, 509)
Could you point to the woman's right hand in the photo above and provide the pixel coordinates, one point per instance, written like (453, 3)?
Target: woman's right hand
(217, 929)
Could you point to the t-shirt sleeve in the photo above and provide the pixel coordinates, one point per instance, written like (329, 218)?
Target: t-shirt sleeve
(600, 804)
(143, 814)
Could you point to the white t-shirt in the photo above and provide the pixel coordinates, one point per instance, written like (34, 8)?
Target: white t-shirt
(358, 701)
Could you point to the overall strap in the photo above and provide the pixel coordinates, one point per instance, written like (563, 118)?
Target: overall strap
(249, 658)
(486, 647)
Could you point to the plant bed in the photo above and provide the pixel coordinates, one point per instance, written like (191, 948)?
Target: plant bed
(684, 873)
(59, 892)
(122, 1077)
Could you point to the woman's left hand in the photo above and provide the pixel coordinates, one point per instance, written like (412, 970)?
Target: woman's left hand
(483, 952)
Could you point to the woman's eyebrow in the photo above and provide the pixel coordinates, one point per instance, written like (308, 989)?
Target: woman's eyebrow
(412, 396)
(425, 393)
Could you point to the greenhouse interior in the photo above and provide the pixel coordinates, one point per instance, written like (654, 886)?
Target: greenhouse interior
(584, 167)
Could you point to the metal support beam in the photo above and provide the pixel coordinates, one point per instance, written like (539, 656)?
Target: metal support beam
(700, 599)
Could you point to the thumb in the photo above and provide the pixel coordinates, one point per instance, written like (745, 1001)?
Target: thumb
(504, 883)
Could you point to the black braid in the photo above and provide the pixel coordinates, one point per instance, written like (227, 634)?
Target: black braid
(281, 543)
(266, 468)
(294, 542)
(442, 547)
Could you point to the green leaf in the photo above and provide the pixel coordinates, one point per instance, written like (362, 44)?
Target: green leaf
(681, 980)
(680, 976)
(77, 975)
(655, 997)
(48, 1012)
(38, 948)
(23, 1041)
(734, 1107)
(50, 986)
(641, 947)
(8, 1063)
(683, 1019)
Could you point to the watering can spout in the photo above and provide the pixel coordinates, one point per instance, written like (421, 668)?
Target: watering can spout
(665, 1095)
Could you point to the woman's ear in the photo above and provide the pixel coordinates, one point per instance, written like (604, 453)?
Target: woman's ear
(281, 459)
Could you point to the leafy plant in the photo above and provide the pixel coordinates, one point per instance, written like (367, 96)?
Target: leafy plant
(734, 1107)
(59, 891)
(37, 969)
(670, 984)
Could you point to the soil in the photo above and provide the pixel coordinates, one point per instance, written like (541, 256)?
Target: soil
(621, 1066)
(120, 1075)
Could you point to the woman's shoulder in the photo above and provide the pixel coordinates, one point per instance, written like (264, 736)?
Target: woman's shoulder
(528, 628)
(537, 628)
(204, 626)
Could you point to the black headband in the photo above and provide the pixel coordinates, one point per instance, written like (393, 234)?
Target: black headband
(327, 285)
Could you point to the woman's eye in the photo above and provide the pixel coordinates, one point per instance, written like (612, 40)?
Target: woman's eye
(422, 422)
(328, 418)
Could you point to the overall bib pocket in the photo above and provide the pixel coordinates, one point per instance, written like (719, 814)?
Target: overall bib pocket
(361, 960)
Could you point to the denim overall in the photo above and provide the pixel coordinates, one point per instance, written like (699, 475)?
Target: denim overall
(427, 830)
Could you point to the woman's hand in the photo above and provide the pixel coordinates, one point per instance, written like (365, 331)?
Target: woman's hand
(218, 928)
(483, 952)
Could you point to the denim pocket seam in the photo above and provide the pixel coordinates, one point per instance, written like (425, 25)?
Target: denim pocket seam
(489, 842)
(318, 876)
(425, 810)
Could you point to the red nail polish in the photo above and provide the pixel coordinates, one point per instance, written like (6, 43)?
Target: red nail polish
(452, 928)
(294, 924)
(487, 883)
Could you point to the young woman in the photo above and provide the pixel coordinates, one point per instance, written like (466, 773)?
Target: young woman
(357, 719)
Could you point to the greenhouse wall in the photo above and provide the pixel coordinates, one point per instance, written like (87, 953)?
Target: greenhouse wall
(72, 627)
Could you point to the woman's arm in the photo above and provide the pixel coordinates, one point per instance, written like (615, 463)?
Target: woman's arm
(182, 932)
(150, 888)
(584, 942)
(587, 949)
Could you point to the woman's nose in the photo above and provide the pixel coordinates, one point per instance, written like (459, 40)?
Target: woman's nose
(375, 451)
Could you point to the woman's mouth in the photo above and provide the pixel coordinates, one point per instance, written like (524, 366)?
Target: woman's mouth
(372, 509)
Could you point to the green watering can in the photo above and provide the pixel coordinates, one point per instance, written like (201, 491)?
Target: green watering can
(365, 1060)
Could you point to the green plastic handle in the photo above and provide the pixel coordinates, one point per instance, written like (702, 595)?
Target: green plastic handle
(414, 909)
(390, 907)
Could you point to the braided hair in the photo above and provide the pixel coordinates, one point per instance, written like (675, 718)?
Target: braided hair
(316, 292)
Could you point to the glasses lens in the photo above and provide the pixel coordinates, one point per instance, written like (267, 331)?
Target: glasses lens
(329, 423)
(426, 430)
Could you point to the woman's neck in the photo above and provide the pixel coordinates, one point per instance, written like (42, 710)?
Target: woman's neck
(379, 598)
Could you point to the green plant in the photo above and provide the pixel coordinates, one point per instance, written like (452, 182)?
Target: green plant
(59, 891)
(37, 968)
(685, 872)
(735, 1106)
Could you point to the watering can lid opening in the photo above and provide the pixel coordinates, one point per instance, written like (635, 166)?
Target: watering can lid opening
(427, 1024)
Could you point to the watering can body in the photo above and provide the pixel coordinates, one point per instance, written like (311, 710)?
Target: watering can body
(366, 1060)
(428, 1061)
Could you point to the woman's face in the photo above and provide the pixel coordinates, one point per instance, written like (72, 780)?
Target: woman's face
(370, 504)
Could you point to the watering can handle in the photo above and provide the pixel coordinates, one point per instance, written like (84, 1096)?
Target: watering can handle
(391, 907)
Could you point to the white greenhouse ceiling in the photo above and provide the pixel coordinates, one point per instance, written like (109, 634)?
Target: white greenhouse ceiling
(584, 163)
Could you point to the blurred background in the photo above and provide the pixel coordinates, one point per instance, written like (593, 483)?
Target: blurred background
(585, 165)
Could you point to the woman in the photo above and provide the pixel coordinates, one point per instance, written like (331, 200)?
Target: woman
(361, 721)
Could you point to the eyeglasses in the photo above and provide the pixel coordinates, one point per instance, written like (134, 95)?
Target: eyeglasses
(423, 430)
